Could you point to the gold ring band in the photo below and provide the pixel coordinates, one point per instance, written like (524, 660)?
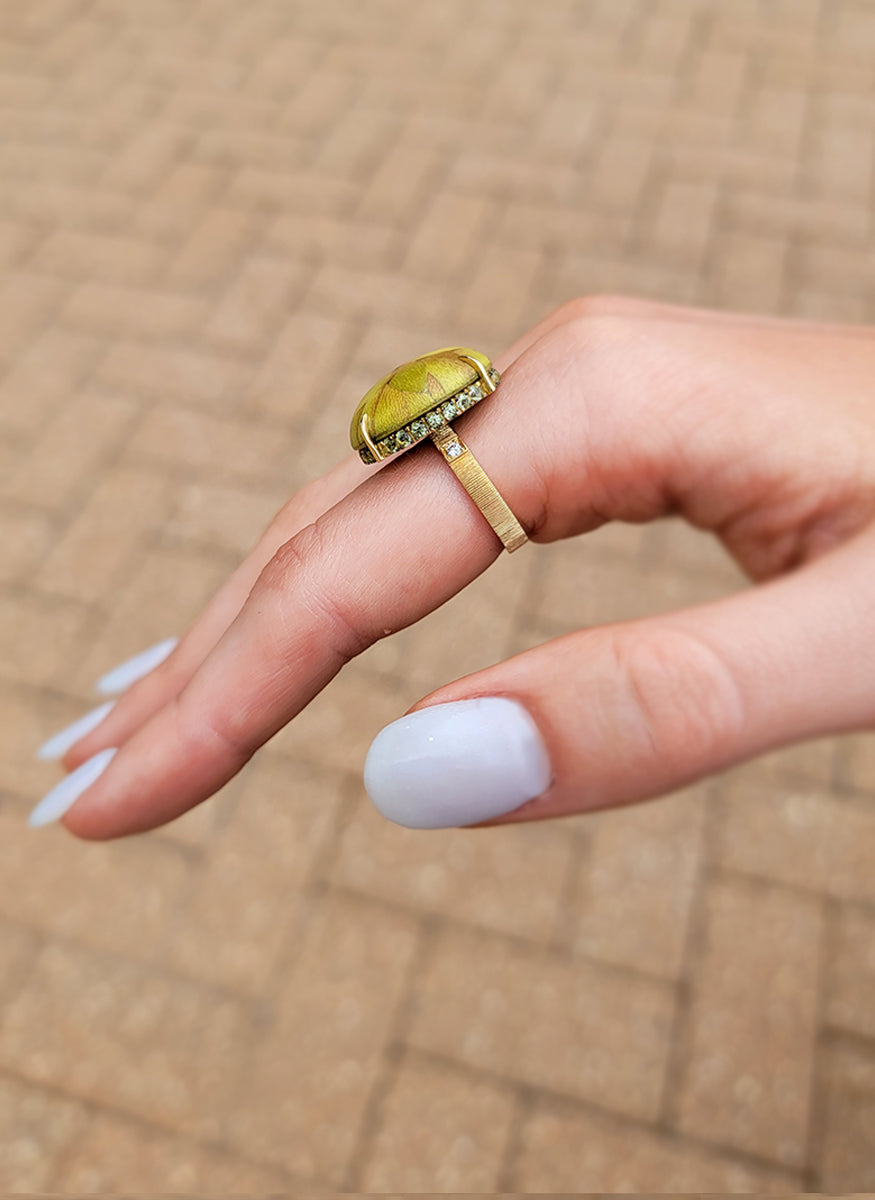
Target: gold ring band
(419, 400)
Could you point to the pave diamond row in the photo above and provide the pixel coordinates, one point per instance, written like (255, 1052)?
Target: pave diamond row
(410, 434)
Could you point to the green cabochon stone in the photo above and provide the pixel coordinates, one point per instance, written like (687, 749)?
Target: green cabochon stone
(411, 390)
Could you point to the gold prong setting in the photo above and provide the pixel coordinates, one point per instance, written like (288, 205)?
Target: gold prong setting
(422, 427)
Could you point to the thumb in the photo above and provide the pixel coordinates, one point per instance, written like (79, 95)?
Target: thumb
(621, 713)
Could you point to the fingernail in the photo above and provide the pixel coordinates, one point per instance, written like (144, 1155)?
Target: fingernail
(58, 745)
(64, 795)
(132, 669)
(457, 763)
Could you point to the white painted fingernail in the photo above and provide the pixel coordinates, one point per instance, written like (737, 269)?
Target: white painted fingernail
(121, 677)
(64, 795)
(457, 763)
(58, 745)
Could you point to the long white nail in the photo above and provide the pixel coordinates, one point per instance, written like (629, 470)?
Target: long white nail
(457, 763)
(64, 795)
(132, 669)
(58, 745)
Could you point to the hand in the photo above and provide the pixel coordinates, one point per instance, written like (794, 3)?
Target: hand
(759, 430)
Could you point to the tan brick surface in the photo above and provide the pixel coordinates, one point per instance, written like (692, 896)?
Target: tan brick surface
(111, 1150)
(566, 1149)
(306, 1089)
(634, 886)
(752, 1021)
(438, 1130)
(126, 1036)
(219, 223)
(847, 1134)
(585, 1030)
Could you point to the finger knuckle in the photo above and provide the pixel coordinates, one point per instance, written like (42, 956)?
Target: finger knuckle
(681, 694)
(596, 304)
(303, 575)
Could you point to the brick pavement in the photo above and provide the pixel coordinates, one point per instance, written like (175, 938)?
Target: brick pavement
(218, 223)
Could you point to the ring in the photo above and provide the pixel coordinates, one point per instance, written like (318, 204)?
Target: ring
(419, 400)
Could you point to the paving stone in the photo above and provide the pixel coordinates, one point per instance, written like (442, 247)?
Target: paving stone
(579, 1028)
(196, 443)
(303, 357)
(577, 588)
(71, 449)
(850, 974)
(27, 301)
(103, 540)
(333, 239)
(35, 1129)
(114, 1033)
(26, 537)
(847, 1117)
(635, 885)
(511, 879)
(439, 1131)
(309, 1082)
(445, 241)
(217, 240)
(177, 204)
(163, 594)
(255, 304)
(26, 655)
(749, 272)
(181, 376)
(565, 1149)
(112, 259)
(43, 377)
(857, 762)
(751, 1023)
(230, 518)
(146, 882)
(102, 308)
(27, 718)
(111, 1151)
(246, 898)
(17, 949)
(337, 727)
(804, 838)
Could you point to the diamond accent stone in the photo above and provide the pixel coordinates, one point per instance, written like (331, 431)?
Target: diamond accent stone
(449, 410)
(403, 438)
(433, 419)
(387, 446)
(454, 450)
(464, 401)
(476, 391)
(419, 429)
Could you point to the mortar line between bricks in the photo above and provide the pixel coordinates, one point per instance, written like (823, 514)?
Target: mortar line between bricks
(149, 965)
(514, 942)
(97, 1108)
(678, 1055)
(522, 1111)
(765, 883)
(392, 1059)
(315, 886)
(22, 977)
(816, 1131)
(569, 1102)
(563, 936)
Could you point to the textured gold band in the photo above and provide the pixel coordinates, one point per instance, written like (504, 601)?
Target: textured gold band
(479, 487)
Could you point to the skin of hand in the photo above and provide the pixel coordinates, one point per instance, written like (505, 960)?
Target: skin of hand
(759, 430)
